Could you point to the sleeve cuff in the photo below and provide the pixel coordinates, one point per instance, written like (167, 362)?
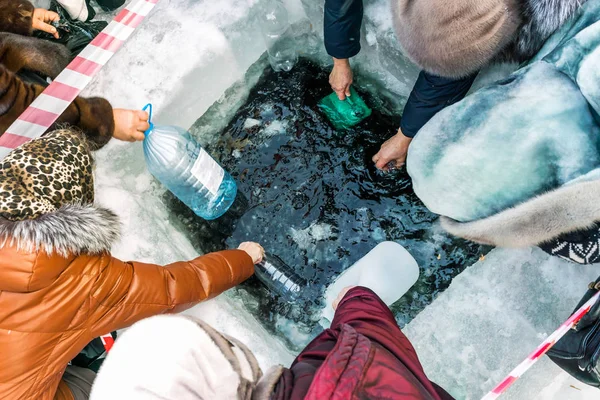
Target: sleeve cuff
(342, 52)
(407, 130)
(16, 16)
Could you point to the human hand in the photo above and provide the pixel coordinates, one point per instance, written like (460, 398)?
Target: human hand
(41, 18)
(341, 296)
(392, 151)
(130, 125)
(254, 250)
(341, 78)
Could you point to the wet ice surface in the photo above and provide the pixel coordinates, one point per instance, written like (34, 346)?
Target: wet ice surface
(315, 198)
(493, 316)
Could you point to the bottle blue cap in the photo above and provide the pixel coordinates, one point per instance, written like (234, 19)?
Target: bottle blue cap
(149, 108)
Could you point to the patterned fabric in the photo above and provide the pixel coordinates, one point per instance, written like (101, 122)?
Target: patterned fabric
(45, 174)
(580, 247)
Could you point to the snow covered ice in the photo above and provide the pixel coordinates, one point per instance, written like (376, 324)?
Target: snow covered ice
(183, 58)
(493, 315)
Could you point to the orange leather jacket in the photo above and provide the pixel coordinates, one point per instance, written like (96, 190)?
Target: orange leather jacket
(52, 306)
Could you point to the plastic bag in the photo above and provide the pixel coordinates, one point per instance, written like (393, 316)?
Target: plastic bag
(74, 34)
(344, 114)
(92, 355)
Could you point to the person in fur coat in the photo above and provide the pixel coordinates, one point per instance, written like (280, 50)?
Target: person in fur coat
(528, 151)
(59, 285)
(363, 355)
(451, 41)
(21, 52)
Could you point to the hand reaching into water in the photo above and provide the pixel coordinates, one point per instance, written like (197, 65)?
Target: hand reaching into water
(41, 21)
(341, 78)
(254, 250)
(130, 125)
(393, 152)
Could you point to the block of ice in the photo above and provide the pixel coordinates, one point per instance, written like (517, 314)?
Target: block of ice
(492, 316)
(504, 144)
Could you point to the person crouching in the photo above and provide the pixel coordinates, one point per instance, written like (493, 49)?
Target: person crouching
(59, 285)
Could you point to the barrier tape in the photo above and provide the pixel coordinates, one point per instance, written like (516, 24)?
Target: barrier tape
(107, 341)
(542, 349)
(53, 101)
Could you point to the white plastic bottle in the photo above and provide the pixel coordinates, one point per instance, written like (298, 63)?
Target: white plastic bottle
(389, 270)
(277, 32)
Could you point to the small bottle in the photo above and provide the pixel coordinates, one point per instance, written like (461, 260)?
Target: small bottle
(279, 278)
(277, 32)
(188, 171)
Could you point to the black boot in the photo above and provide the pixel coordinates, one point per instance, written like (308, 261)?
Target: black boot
(109, 5)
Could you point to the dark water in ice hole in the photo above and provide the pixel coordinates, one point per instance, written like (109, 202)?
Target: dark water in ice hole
(316, 200)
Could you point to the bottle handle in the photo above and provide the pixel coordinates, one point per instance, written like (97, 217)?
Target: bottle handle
(149, 108)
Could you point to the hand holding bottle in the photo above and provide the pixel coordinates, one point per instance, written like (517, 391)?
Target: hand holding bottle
(254, 250)
(130, 125)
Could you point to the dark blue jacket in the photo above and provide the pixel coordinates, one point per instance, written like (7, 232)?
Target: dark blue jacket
(430, 94)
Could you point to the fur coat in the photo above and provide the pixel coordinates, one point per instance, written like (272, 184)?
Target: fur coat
(19, 51)
(530, 144)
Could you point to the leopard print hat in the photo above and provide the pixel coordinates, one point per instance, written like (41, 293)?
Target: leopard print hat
(46, 174)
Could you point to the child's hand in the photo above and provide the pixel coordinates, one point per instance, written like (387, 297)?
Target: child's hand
(41, 19)
(130, 125)
(254, 250)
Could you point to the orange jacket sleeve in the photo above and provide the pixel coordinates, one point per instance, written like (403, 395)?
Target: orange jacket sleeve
(128, 292)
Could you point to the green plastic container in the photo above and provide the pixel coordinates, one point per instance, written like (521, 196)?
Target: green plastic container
(344, 114)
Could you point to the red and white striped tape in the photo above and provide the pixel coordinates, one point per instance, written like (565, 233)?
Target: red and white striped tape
(49, 105)
(542, 349)
(107, 341)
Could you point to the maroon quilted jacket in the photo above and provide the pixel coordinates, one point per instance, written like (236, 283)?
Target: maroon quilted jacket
(364, 355)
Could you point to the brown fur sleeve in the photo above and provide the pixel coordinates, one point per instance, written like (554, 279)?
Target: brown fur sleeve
(93, 116)
(16, 16)
(38, 55)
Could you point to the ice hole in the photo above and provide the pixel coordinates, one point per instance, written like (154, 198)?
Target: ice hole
(202, 58)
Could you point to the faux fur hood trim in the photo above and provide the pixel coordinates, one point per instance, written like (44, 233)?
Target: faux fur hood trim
(539, 220)
(265, 388)
(541, 19)
(72, 229)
